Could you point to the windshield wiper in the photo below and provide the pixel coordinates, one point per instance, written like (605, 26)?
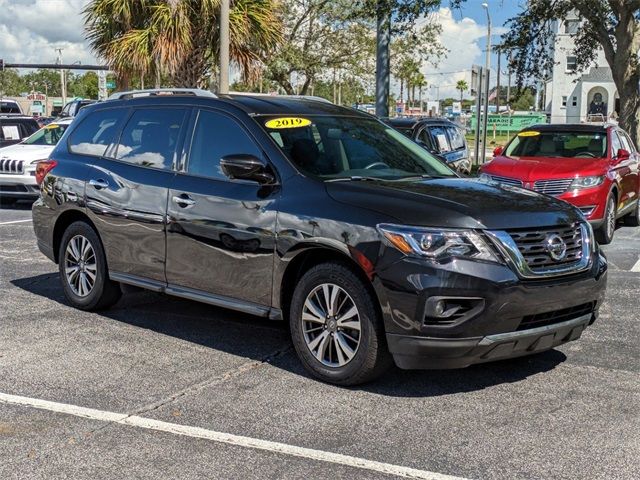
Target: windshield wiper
(354, 178)
(423, 176)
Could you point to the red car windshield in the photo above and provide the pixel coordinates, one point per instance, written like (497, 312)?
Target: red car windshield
(558, 144)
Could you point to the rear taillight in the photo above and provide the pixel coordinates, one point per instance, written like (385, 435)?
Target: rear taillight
(43, 168)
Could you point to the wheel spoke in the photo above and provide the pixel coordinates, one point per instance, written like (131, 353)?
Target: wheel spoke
(352, 312)
(342, 343)
(326, 292)
(314, 311)
(72, 272)
(353, 325)
(341, 358)
(322, 348)
(75, 249)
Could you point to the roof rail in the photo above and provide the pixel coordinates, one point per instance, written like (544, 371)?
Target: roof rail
(300, 97)
(152, 92)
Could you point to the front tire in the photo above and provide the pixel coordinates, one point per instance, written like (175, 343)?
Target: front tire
(336, 330)
(605, 233)
(83, 269)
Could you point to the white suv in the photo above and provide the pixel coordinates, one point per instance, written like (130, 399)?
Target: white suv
(18, 162)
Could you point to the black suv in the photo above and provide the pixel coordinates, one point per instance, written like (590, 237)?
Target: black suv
(297, 209)
(439, 136)
(15, 128)
(72, 108)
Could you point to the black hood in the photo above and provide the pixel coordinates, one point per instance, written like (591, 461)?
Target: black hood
(455, 203)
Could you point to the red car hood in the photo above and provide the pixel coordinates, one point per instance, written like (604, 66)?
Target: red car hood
(540, 168)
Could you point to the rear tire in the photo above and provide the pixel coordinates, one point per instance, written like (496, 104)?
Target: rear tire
(633, 219)
(336, 329)
(604, 234)
(83, 269)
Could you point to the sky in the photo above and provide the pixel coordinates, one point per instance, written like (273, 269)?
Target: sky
(31, 30)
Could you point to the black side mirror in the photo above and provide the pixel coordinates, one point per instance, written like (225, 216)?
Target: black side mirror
(246, 167)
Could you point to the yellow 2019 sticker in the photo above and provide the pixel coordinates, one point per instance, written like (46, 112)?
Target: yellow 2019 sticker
(51, 126)
(288, 122)
(529, 133)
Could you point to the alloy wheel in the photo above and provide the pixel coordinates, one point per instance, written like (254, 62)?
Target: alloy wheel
(331, 325)
(80, 265)
(611, 218)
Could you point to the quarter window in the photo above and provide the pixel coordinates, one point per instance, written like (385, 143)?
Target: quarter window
(215, 136)
(96, 132)
(150, 137)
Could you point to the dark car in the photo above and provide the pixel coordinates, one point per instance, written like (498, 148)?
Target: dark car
(15, 128)
(72, 108)
(439, 136)
(297, 209)
(594, 167)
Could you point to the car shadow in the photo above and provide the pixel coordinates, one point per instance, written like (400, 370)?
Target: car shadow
(243, 335)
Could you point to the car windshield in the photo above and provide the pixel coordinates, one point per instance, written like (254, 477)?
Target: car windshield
(530, 143)
(48, 135)
(333, 147)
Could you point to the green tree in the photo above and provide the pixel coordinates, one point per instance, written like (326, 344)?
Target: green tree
(462, 86)
(11, 83)
(524, 100)
(320, 43)
(179, 37)
(85, 86)
(610, 25)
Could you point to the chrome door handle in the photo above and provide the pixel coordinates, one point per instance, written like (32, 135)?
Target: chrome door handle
(183, 201)
(99, 183)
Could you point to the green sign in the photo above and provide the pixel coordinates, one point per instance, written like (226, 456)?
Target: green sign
(511, 123)
(111, 84)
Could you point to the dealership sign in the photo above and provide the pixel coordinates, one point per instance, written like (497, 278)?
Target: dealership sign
(37, 96)
(512, 123)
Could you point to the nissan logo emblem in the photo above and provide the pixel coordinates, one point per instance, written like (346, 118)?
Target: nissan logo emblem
(556, 247)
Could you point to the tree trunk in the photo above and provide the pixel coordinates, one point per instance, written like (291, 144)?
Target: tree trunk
(629, 115)
(401, 90)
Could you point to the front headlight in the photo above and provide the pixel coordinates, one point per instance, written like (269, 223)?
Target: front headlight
(586, 182)
(436, 244)
(34, 163)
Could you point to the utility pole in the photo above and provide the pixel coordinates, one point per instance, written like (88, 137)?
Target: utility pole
(498, 83)
(223, 86)
(485, 122)
(383, 39)
(63, 83)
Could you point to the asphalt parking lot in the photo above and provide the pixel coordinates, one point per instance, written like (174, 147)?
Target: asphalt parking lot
(164, 388)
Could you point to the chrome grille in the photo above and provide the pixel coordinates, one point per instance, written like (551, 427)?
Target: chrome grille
(513, 182)
(11, 166)
(553, 187)
(532, 247)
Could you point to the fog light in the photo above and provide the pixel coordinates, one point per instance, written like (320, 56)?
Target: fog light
(448, 310)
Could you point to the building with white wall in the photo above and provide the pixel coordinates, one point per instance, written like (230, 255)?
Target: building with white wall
(573, 97)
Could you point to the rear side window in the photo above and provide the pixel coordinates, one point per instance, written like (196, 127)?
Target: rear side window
(627, 144)
(150, 137)
(425, 138)
(9, 107)
(96, 132)
(455, 138)
(215, 136)
(440, 136)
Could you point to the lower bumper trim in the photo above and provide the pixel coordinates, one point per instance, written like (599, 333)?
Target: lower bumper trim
(438, 353)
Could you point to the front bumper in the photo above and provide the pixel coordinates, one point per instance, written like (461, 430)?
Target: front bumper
(19, 186)
(426, 352)
(506, 326)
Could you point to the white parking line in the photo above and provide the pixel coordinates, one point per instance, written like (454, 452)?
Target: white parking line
(636, 267)
(227, 438)
(16, 221)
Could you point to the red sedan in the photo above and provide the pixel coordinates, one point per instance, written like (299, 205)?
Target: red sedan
(594, 167)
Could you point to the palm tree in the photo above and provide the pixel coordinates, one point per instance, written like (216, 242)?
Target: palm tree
(179, 37)
(462, 86)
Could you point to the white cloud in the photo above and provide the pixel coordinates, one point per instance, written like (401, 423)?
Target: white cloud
(465, 39)
(31, 30)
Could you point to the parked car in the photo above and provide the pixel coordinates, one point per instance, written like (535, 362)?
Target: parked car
(366, 244)
(18, 162)
(15, 128)
(594, 167)
(72, 108)
(10, 106)
(441, 137)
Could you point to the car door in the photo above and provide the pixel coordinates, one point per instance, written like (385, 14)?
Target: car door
(623, 170)
(631, 180)
(127, 192)
(220, 235)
